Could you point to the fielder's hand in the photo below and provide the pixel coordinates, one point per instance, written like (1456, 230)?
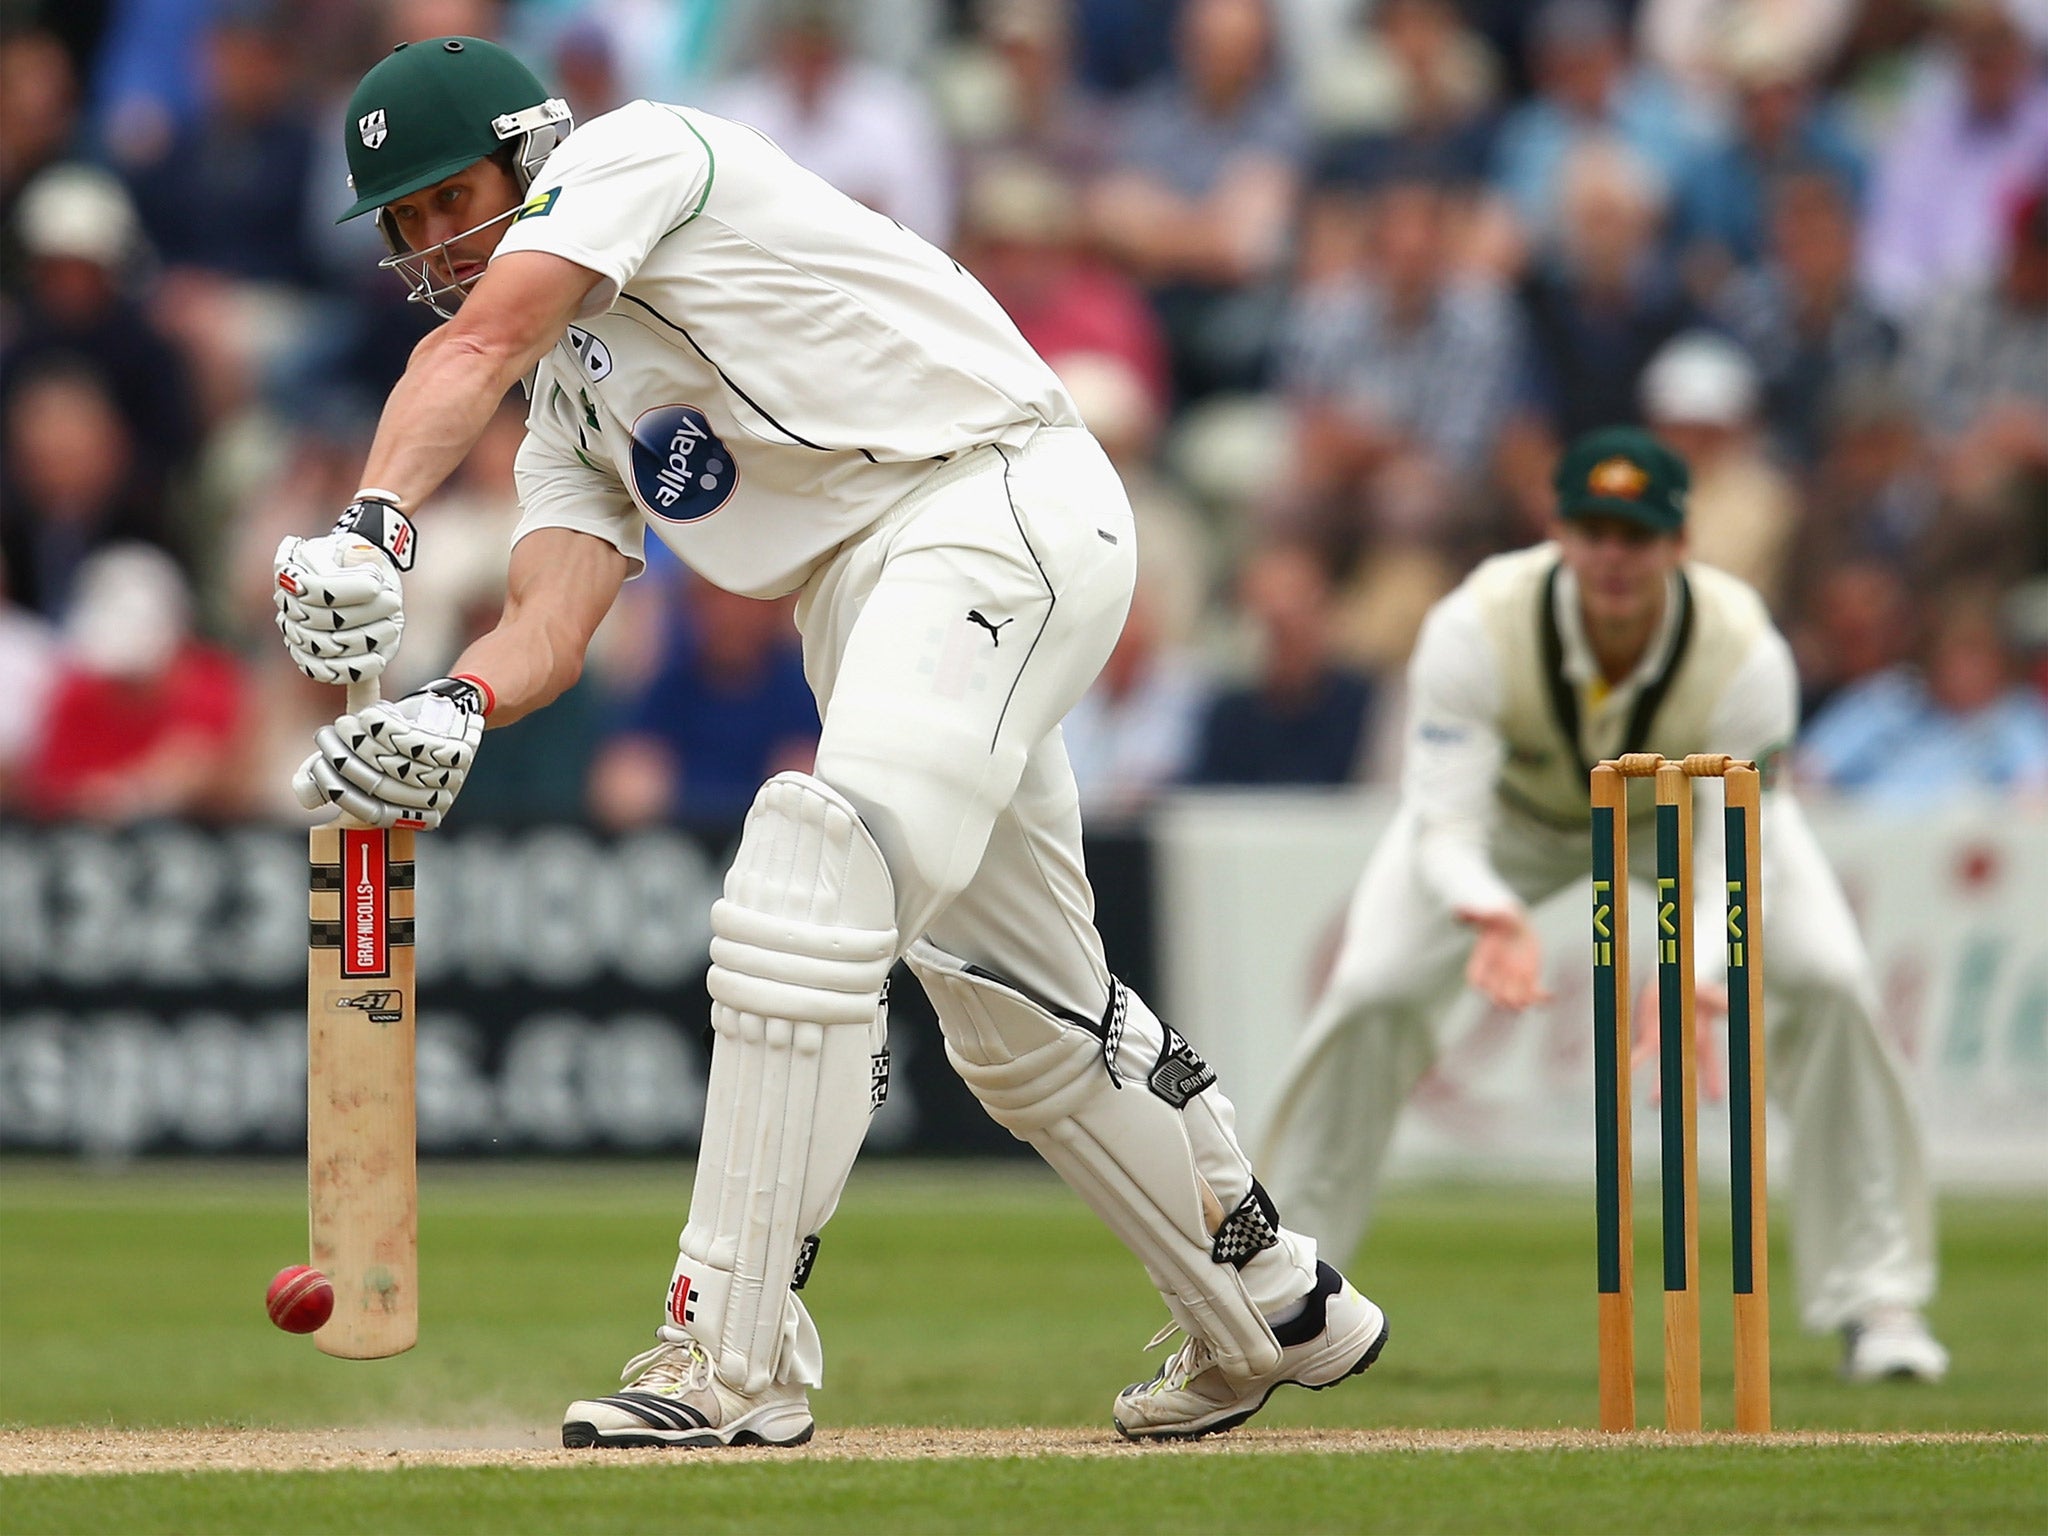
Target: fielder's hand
(340, 606)
(399, 764)
(1506, 967)
(1709, 1008)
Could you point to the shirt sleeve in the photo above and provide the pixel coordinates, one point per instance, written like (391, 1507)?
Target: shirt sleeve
(1452, 756)
(561, 487)
(1758, 710)
(618, 184)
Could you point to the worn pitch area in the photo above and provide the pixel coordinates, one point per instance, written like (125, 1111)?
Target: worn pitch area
(87, 1451)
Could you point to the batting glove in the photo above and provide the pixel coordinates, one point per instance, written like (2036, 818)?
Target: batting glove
(340, 605)
(398, 764)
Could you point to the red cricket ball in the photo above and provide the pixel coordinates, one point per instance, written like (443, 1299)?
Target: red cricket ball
(299, 1299)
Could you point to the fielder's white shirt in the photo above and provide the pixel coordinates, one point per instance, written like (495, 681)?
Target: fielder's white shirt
(1484, 738)
(764, 367)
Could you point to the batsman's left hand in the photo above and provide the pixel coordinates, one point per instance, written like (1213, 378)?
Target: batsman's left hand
(397, 764)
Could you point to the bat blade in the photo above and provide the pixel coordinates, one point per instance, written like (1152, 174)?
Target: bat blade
(361, 1146)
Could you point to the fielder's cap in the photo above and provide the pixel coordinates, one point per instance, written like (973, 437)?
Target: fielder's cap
(1623, 472)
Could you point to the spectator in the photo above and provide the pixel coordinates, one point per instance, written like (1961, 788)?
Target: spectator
(228, 192)
(29, 662)
(1022, 238)
(1587, 91)
(1980, 364)
(1721, 207)
(1304, 718)
(1742, 513)
(1874, 496)
(143, 720)
(1872, 71)
(38, 112)
(149, 82)
(83, 245)
(1972, 133)
(1858, 623)
(609, 52)
(1121, 45)
(1690, 40)
(1597, 306)
(1418, 87)
(1199, 203)
(1803, 316)
(862, 127)
(1019, 99)
(1605, 300)
(1912, 737)
(727, 710)
(72, 485)
(586, 69)
(1399, 368)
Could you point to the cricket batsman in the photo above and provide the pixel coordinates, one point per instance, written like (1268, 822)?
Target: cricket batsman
(798, 395)
(1542, 663)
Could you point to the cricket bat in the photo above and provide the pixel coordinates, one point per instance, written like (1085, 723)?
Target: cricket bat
(362, 1189)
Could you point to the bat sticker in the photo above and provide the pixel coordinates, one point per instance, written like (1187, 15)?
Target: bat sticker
(383, 1007)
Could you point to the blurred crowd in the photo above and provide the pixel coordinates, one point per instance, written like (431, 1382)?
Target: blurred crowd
(1333, 280)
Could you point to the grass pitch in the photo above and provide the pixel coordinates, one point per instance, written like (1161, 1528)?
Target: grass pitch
(968, 1300)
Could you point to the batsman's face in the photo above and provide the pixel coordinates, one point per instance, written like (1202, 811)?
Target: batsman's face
(455, 224)
(1622, 567)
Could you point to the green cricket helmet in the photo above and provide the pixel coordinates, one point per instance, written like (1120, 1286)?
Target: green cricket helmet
(430, 109)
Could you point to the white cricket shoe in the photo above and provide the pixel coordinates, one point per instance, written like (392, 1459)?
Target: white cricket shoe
(1892, 1343)
(676, 1399)
(1338, 1334)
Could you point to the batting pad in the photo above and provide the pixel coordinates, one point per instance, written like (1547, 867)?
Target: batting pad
(1122, 1144)
(802, 942)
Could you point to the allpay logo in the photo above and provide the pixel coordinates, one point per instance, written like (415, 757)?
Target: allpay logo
(681, 471)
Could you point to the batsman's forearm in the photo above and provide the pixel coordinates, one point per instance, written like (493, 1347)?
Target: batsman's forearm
(525, 667)
(435, 414)
(561, 585)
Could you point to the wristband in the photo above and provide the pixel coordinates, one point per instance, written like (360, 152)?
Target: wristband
(373, 517)
(467, 692)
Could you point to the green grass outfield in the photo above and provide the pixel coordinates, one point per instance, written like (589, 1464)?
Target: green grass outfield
(959, 1300)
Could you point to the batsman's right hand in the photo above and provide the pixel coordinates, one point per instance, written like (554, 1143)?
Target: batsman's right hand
(340, 607)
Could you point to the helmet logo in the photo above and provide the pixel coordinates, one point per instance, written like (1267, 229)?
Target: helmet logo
(371, 127)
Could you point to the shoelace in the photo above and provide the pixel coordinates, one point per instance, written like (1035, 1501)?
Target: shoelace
(1184, 1364)
(669, 1366)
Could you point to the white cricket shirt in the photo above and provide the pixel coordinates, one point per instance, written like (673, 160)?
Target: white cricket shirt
(1502, 671)
(764, 366)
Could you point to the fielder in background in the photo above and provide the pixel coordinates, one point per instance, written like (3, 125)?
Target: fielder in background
(796, 394)
(1542, 663)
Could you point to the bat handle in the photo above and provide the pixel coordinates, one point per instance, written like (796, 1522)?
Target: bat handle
(360, 696)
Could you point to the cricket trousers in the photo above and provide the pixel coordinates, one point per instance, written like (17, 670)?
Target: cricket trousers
(944, 646)
(1862, 1218)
